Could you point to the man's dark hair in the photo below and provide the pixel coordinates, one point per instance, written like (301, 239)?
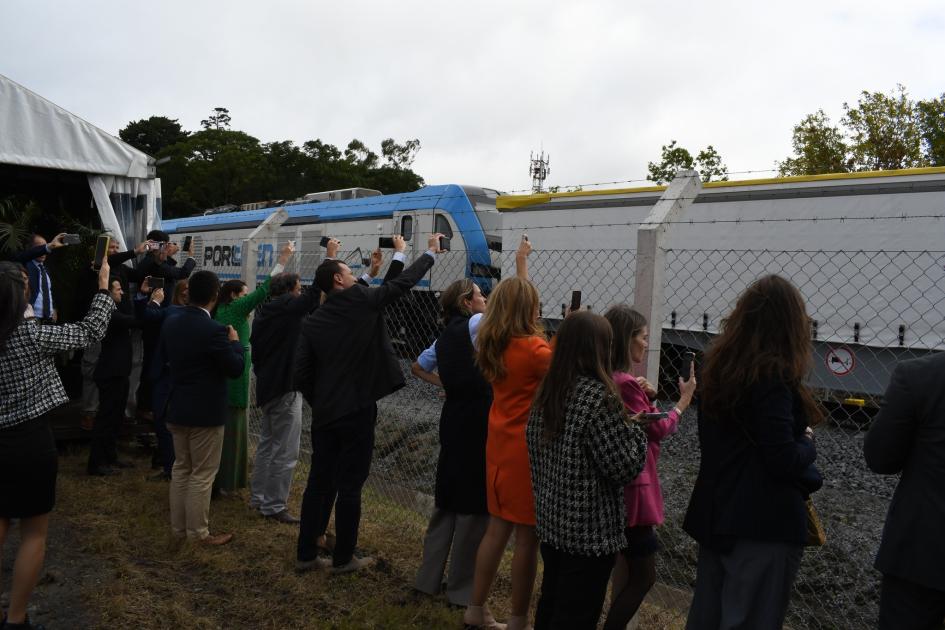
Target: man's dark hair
(158, 235)
(325, 274)
(204, 287)
(282, 283)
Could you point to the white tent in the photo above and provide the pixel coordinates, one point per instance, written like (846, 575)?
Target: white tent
(37, 133)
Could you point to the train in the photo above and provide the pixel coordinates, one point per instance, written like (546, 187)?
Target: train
(866, 250)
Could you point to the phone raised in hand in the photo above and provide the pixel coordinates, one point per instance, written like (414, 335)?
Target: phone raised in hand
(444, 243)
(325, 240)
(688, 358)
(188, 241)
(101, 251)
(71, 239)
(385, 242)
(155, 282)
(575, 301)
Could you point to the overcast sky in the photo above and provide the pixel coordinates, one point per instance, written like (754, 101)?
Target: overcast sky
(600, 85)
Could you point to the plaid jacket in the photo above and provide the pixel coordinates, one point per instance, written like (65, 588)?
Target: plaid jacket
(578, 477)
(29, 383)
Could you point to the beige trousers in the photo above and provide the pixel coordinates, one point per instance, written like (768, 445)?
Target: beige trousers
(197, 458)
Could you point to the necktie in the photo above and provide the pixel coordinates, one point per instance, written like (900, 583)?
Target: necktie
(44, 287)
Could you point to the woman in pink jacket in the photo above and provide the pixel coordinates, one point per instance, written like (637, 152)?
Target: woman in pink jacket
(635, 569)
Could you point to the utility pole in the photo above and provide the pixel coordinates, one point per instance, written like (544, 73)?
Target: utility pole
(538, 169)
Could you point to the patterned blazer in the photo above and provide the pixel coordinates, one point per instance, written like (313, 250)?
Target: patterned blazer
(29, 383)
(578, 477)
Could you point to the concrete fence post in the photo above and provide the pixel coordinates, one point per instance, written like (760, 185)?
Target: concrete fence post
(648, 291)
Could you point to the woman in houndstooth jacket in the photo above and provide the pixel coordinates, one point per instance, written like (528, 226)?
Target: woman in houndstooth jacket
(583, 449)
(29, 388)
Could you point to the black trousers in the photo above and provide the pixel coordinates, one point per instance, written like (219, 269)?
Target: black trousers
(112, 399)
(573, 588)
(341, 462)
(905, 605)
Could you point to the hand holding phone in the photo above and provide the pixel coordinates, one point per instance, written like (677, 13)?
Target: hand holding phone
(575, 301)
(188, 243)
(444, 243)
(101, 251)
(155, 283)
(71, 239)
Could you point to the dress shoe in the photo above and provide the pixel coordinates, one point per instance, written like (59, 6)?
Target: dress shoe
(103, 471)
(355, 564)
(122, 463)
(283, 517)
(215, 540)
(319, 563)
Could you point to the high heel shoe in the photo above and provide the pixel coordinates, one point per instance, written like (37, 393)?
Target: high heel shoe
(480, 618)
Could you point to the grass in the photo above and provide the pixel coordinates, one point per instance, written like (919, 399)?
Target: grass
(156, 581)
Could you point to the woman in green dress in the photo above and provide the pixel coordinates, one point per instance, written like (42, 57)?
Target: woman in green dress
(233, 308)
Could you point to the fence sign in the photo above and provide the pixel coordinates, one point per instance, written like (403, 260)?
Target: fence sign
(840, 361)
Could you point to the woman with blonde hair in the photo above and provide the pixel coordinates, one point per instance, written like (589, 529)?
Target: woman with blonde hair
(514, 357)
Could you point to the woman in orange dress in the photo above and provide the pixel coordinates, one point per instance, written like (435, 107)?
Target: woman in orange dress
(514, 357)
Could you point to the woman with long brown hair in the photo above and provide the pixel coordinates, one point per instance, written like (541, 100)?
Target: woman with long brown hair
(747, 510)
(513, 356)
(583, 450)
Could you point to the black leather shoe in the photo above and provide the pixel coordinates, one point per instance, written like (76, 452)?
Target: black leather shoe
(103, 471)
(283, 517)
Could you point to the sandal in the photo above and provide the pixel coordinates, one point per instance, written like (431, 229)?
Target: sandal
(480, 618)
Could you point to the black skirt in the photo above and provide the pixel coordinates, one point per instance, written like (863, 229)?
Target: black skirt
(28, 467)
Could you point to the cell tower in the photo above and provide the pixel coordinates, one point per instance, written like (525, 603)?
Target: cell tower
(538, 170)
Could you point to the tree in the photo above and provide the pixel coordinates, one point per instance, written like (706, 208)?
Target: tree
(819, 147)
(400, 155)
(931, 115)
(675, 158)
(153, 134)
(358, 154)
(884, 131)
(219, 119)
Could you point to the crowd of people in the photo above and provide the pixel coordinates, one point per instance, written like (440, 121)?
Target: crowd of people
(554, 441)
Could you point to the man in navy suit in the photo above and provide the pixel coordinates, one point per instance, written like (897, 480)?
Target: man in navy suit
(202, 354)
(907, 438)
(34, 259)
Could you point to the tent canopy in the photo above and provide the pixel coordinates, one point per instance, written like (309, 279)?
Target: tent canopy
(37, 132)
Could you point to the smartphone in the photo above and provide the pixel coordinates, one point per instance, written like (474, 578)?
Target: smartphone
(155, 282)
(71, 239)
(188, 240)
(325, 240)
(155, 245)
(653, 417)
(524, 237)
(444, 243)
(688, 358)
(101, 250)
(575, 300)
(385, 242)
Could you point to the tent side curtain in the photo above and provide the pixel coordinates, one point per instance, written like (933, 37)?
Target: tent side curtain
(128, 207)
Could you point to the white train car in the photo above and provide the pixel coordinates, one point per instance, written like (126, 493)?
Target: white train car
(867, 250)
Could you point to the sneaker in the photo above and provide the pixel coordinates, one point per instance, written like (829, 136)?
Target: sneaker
(355, 564)
(320, 563)
(283, 517)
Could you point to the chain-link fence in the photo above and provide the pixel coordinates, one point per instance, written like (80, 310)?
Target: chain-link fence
(868, 311)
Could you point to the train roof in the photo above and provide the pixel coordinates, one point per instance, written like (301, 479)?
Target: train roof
(514, 202)
(366, 207)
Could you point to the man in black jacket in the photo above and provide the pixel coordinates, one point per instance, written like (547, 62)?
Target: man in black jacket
(111, 378)
(202, 355)
(908, 437)
(345, 364)
(274, 339)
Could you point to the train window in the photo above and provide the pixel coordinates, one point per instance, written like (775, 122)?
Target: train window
(442, 225)
(406, 227)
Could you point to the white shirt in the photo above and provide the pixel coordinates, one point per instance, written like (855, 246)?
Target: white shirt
(427, 358)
